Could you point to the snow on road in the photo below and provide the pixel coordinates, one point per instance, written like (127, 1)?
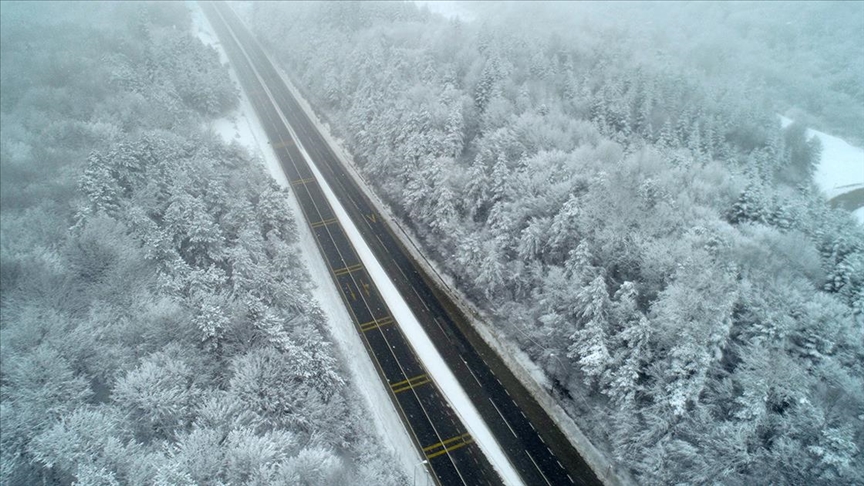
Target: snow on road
(841, 168)
(420, 341)
(243, 127)
(526, 370)
(432, 360)
(435, 364)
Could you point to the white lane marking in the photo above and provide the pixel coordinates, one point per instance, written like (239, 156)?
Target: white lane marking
(472, 373)
(502, 418)
(419, 340)
(538, 468)
(382, 244)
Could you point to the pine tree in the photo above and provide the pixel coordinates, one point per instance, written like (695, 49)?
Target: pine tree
(694, 141)
(455, 132)
(532, 241)
(485, 89)
(589, 342)
(490, 277)
(668, 138)
(752, 206)
(98, 184)
(501, 186)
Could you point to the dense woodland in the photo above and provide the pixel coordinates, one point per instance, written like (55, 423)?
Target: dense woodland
(801, 59)
(643, 229)
(157, 325)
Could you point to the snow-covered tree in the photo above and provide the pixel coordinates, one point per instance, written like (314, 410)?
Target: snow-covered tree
(589, 342)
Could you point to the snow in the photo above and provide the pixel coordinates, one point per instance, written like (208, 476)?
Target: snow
(841, 168)
(201, 28)
(448, 8)
(527, 371)
(438, 369)
(417, 337)
(243, 127)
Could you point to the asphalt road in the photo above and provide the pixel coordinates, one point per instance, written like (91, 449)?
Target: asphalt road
(535, 445)
(445, 442)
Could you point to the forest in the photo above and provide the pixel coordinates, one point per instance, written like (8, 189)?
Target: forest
(157, 322)
(637, 222)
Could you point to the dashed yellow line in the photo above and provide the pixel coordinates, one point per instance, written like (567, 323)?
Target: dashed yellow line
(410, 383)
(376, 323)
(448, 445)
(325, 222)
(347, 270)
(298, 182)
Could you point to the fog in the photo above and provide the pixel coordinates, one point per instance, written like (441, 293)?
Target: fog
(632, 195)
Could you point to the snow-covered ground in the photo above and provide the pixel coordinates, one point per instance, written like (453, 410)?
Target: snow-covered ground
(421, 343)
(841, 168)
(243, 127)
(528, 373)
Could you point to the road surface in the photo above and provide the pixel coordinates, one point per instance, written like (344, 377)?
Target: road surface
(535, 445)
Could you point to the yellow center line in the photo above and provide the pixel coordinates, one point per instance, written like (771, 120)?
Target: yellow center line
(347, 270)
(449, 449)
(325, 222)
(297, 182)
(409, 380)
(448, 445)
(410, 383)
(283, 144)
(368, 326)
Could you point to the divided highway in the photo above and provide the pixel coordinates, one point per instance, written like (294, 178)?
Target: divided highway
(446, 444)
(534, 444)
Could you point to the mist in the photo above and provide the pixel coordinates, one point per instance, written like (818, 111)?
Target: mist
(653, 210)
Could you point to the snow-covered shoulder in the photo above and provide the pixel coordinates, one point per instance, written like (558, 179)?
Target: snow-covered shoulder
(242, 126)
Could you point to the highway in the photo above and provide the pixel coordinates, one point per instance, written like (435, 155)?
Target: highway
(453, 456)
(534, 444)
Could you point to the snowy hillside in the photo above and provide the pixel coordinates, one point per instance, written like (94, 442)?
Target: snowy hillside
(841, 168)
(633, 227)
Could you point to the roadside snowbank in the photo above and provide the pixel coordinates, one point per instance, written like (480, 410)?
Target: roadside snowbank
(528, 373)
(243, 127)
(841, 168)
(435, 364)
